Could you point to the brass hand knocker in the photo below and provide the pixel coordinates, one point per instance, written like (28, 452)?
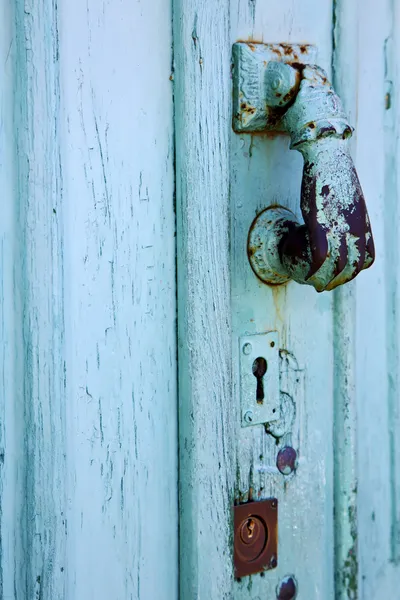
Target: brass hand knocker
(335, 242)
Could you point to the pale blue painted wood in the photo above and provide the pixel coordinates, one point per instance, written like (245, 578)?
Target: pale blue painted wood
(11, 349)
(88, 428)
(88, 422)
(343, 348)
(346, 551)
(378, 114)
(265, 171)
(207, 429)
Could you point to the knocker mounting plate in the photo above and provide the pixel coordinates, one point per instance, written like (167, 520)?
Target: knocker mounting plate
(254, 109)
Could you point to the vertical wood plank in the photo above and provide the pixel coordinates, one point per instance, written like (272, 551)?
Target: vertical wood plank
(392, 222)
(264, 171)
(207, 414)
(97, 513)
(121, 314)
(377, 301)
(345, 81)
(41, 534)
(11, 364)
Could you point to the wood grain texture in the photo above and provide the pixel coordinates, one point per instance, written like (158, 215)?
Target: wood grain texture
(378, 126)
(88, 407)
(40, 535)
(207, 414)
(97, 515)
(264, 172)
(392, 218)
(345, 80)
(11, 371)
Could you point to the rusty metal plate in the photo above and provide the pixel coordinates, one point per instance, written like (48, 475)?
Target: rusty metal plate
(251, 110)
(256, 537)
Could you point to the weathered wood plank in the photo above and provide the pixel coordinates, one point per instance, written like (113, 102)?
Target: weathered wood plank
(11, 367)
(207, 413)
(391, 213)
(97, 516)
(344, 78)
(40, 535)
(377, 154)
(122, 442)
(264, 172)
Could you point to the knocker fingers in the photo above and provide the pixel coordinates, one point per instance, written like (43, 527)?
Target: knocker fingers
(319, 248)
(369, 248)
(341, 259)
(355, 258)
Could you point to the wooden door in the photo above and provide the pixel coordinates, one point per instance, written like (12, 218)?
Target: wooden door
(101, 102)
(338, 512)
(88, 435)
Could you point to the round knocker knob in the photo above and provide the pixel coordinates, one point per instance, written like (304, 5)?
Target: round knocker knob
(266, 232)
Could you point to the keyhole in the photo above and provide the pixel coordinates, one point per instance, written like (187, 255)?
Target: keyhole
(259, 370)
(250, 528)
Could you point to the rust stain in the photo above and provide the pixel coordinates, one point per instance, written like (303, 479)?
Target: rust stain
(290, 95)
(297, 65)
(279, 300)
(249, 41)
(287, 49)
(270, 135)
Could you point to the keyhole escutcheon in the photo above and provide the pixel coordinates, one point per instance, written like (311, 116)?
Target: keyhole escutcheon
(260, 366)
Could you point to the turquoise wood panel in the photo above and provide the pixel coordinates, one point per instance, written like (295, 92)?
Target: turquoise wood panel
(88, 400)
(339, 360)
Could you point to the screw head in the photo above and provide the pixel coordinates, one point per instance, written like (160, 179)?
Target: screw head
(273, 563)
(281, 83)
(287, 588)
(247, 348)
(276, 83)
(286, 461)
(248, 416)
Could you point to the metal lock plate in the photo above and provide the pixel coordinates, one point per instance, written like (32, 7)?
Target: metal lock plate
(252, 110)
(256, 537)
(259, 378)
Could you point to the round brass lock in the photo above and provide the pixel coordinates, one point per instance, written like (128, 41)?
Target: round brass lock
(251, 538)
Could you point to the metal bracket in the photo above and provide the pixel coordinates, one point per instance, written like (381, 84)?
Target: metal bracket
(276, 89)
(255, 107)
(256, 407)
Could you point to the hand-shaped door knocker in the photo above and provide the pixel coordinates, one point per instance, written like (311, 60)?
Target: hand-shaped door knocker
(335, 242)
